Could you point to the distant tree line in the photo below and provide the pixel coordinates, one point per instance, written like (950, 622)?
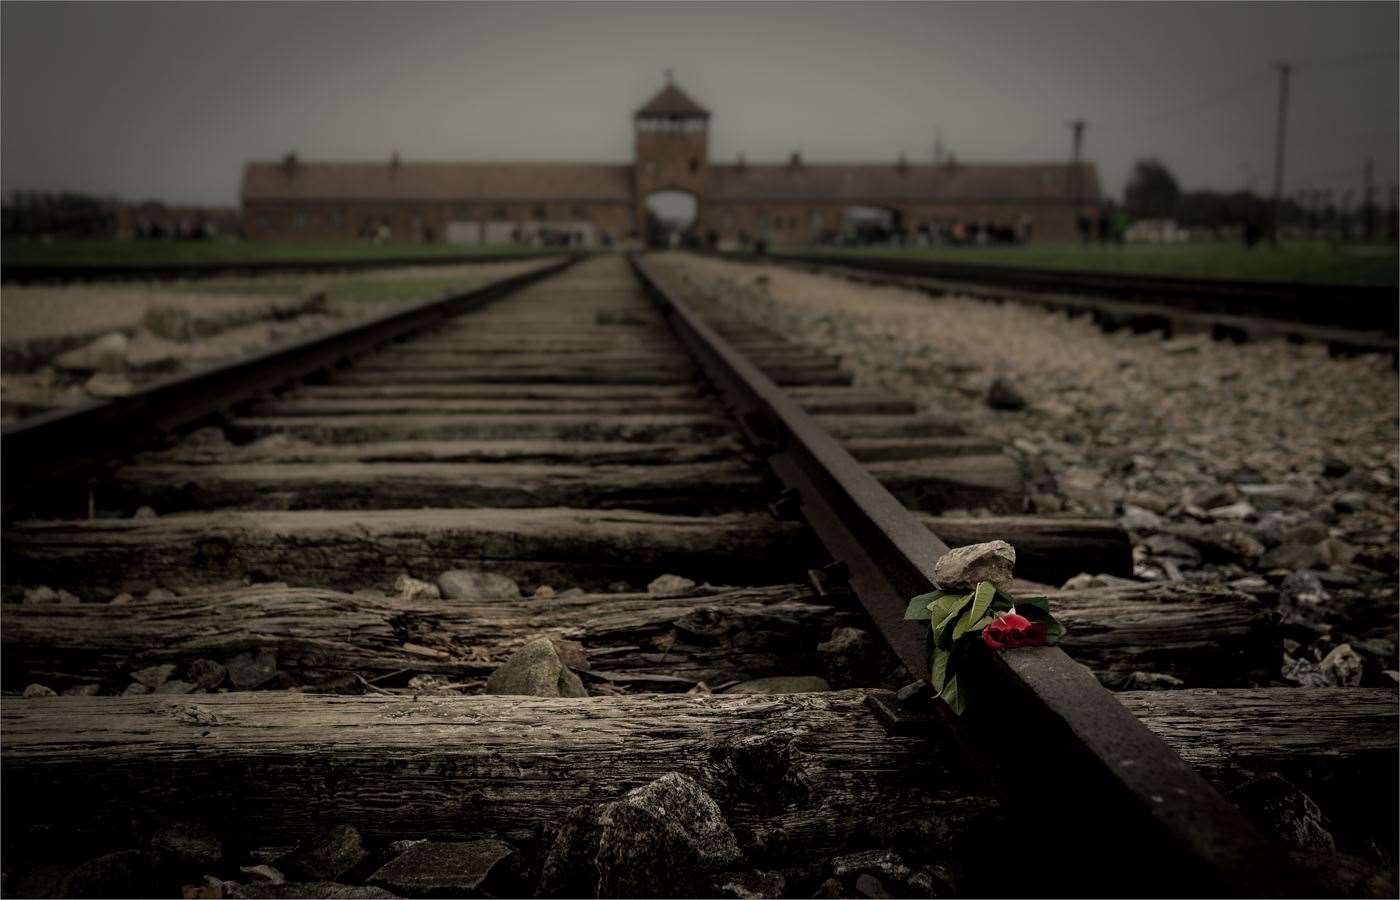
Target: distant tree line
(33, 213)
(1154, 193)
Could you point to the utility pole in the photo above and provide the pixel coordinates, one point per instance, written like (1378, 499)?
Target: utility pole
(1284, 70)
(1076, 182)
(1369, 210)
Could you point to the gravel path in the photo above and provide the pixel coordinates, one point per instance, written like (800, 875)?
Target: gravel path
(1267, 465)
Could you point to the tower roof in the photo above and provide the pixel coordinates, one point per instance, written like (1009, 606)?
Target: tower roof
(672, 103)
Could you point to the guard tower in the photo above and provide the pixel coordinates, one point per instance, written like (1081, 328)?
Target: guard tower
(672, 146)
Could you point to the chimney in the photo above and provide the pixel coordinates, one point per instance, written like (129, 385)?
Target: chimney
(903, 164)
(795, 160)
(289, 163)
(740, 164)
(394, 161)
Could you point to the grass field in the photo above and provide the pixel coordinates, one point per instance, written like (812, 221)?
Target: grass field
(16, 252)
(1294, 262)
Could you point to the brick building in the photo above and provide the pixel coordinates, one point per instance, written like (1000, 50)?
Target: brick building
(594, 204)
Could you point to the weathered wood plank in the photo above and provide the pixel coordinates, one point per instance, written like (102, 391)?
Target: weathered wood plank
(498, 391)
(876, 449)
(694, 488)
(353, 549)
(1050, 549)
(714, 635)
(796, 775)
(549, 426)
(1205, 637)
(405, 406)
(993, 482)
(278, 449)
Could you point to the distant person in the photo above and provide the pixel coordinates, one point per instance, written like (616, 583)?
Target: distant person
(1105, 226)
(1085, 229)
(1023, 228)
(1252, 235)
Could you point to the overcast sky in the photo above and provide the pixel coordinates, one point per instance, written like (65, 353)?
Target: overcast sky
(167, 100)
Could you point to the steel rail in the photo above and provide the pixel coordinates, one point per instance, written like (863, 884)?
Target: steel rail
(23, 273)
(53, 451)
(1358, 307)
(1099, 794)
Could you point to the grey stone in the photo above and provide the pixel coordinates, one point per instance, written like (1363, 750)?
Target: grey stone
(125, 873)
(174, 686)
(1003, 395)
(870, 886)
(1350, 502)
(82, 690)
(153, 676)
(263, 873)
(107, 354)
(451, 869)
(135, 689)
(1280, 808)
(535, 670)
(145, 512)
(751, 885)
(1291, 556)
(250, 669)
(1342, 667)
(670, 584)
(1148, 681)
(1306, 533)
(160, 594)
(853, 657)
(39, 690)
(410, 588)
(665, 839)
(1238, 511)
(1137, 518)
(106, 385)
(188, 845)
(1084, 581)
(206, 673)
(461, 584)
(961, 568)
(326, 857)
(797, 684)
(1172, 548)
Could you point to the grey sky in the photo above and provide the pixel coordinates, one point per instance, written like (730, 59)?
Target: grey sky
(168, 100)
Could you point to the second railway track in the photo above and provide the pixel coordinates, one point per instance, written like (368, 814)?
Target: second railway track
(586, 436)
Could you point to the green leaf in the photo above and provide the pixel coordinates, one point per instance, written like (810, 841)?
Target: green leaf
(952, 695)
(1042, 604)
(982, 599)
(980, 624)
(938, 670)
(946, 616)
(918, 607)
(1055, 631)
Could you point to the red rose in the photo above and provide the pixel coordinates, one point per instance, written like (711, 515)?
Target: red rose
(1012, 630)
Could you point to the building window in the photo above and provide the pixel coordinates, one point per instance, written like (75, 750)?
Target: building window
(300, 221)
(539, 212)
(499, 213)
(694, 164)
(578, 212)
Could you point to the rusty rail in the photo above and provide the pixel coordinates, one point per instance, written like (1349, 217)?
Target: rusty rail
(1098, 792)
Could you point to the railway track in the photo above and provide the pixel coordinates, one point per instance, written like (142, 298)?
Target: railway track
(1347, 318)
(654, 509)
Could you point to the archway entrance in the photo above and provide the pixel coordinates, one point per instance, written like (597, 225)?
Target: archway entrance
(670, 216)
(869, 225)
